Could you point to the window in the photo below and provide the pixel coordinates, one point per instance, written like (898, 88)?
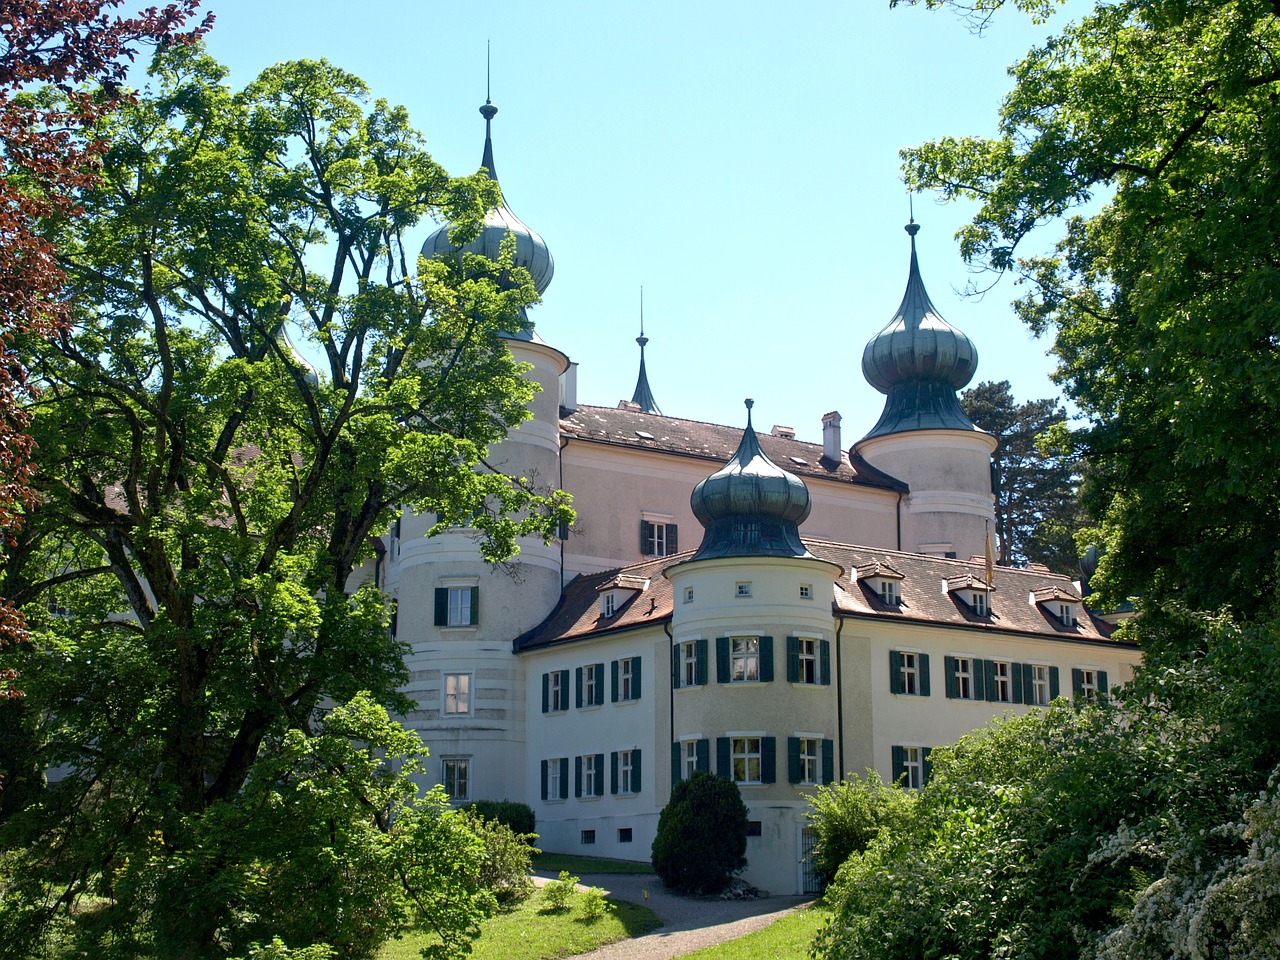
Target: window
(457, 606)
(1002, 674)
(806, 591)
(1067, 614)
(589, 681)
(1039, 684)
(589, 775)
(626, 679)
(607, 605)
(688, 594)
(394, 625)
(890, 593)
(625, 773)
(808, 660)
(755, 828)
(555, 779)
(743, 589)
(624, 834)
(745, 756)
(588, 837)
(1088, 684)
(457, 693)
(962, 677)
(909, 673)
(691, 663)
(555, 691)
(911, 766)
(455, 775)
(979, 603)
(658, 538)
(688, 757)
(810, 760)
(744, 659)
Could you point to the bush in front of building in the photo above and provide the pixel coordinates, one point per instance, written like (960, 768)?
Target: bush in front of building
(702, 835)
(518, 816)
(848, 815)
(507, 861)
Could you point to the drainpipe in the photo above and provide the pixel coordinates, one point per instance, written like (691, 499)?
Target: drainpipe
(839, 699)
(899, 520)
(671, 690)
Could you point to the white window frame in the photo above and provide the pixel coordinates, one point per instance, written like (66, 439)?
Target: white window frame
(626, 782)
(555, 793)
(688, 594)
(909, 672)
(744, 659)
(1002, 672)
(1089, 684)
(806, 591)
(1067, 614)
(458, 609)
(964, 677)
(978, 600)
(1039, 685)
(742, 588)
(689, 757)
(608, 604)
(592, 685)
(625, 678)
(810, 760)
(591, 777)
(689, 663)
(449, 770)
(890, 594)
(460, 694)
(913, 765)
(557, 695)
(810, 669)
(746, 757)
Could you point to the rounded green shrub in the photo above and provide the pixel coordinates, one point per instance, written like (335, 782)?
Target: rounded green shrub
(702, 835)
(518, 816)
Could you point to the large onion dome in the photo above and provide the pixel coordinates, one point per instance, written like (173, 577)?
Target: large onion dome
(750, 507)
(532, 252)
(919, 361)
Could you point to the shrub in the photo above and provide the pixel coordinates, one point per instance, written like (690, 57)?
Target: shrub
(847, 816)
(518, 816)
(557, 892)
(507, 859)
(594, 905)
(702, 835)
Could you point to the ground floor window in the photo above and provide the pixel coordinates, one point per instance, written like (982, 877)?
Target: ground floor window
(455, 776)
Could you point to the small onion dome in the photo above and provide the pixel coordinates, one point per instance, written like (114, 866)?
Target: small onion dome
(919, 361)
(531, 250)
(750, 507)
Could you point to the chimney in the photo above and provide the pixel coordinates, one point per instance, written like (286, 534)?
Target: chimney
(569, 388)
(831, 436)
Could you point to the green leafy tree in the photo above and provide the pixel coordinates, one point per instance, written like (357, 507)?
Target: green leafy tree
(702, 835)
(207, 498)
(848, 815)
(1036, 509)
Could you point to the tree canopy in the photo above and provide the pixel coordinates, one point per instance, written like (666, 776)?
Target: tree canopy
(207, 495)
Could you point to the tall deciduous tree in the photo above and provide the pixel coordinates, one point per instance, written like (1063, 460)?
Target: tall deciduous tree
(1036, 510)
(47, 153)
(207, 496)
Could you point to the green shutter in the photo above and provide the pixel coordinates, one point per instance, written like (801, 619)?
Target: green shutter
(924, 674)
(475, 606)
(766, 659)
(1054, 687)
(1104, 691)
(644, 538)
(768, 759)
(599, 685)
(899, 764)
(544, 779)
(704, 755)
(675, 667)
(564, 778)
(700, 668)
(895, 671)
(673, 539)
(793, 760)
(564, 689)
(599, 775)
(989, 678)
(613, 681)
(577, 776)
(828, 761)
(1015, 682)
(824, 663)
(635, 771)
(722, 659)
(546, 692)
(613, 771)
(724, 766)
(926, 765)
(442, 606)
(635, 678)
(675, 763)
(949, 676)
(793, 663)
(577, 679)
(1077, 684)
(1028, 684)
(978, 670)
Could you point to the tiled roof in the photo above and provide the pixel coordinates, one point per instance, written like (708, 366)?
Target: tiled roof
(712, 441)
(578, 614)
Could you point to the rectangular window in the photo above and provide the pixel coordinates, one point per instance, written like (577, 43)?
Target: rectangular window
(626, 775)
(810, 760)
(588, 837)
(1089, 685)
(624, 834)
(457, 693)
(743, 589)
(744, 659)
(889, 593)
(457, 606)
(689, 664)
(806, 591)
(755, 828)
(690, 757)
(809, 672)
(964, 678)
(658, 538)
(557, 788)
(980, 603)
(688, 594)
(455, 775)
(1039, 684)
(913, 767)
(555, 691)
(745, 758)
(607, 605)
(909, 674)
(593, 684)
(592, 776)
(1003, 675)
(626, 679)
(1066, 613)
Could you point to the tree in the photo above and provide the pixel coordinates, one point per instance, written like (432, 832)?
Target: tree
(1036, 512)
(47, 153)
(207, 498)
(702, 835)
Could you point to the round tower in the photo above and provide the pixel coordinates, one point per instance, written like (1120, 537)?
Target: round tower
(753, 635)
(919, 362)
(458, 613)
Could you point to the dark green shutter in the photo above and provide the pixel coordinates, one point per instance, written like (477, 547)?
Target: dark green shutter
(613, 681)
(1015, 682)
(599, 775)
(724, 766)
(475, 606)
(766, 659)
(577, 776)
(704, 755)
(673, 539)
(564, 778)
(924, 673)
(442, 606)
(926, 765)
(824, 663)
(899, 764)
(989, 677)
(1104, 691)
(978, 672)
(949, 675)
(544, 780)
(722, 659)
(635, 771)
(768, 760)
(700, 668)
(828, 761)
(644, 538)
(895, 671)
(564, 689)
(635, 678)
(675, 763)
(675, 666)
(793, 760)
(1077, 683)
(613, 771)
(1028, 683)
(546, 692)
(599, 698)
(577, 679)
(793, 662)
(1054, 688)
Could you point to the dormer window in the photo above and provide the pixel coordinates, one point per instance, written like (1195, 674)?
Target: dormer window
(608, 604)
(1059, 603)
(970, 590)
(978, 601)
(1067, 614)
(617, 591)
(890, 592)
(883, 581)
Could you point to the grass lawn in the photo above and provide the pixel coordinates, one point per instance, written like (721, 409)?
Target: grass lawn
(555, 862)
(529, 932)
(785, 939)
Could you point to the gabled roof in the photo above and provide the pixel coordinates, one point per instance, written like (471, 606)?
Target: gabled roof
(1055, 592)
(968, 580)
(714, 442)
(876, 568)
(577, 616)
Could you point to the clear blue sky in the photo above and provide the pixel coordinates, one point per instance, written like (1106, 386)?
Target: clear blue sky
(737, 159)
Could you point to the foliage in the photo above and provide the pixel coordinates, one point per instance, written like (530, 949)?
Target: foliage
(1036, 510)
(517, 816)
(594, 904)
(48, 151)
(702, 835)
(207, 498)
(557, 892)
(507, 859)
(786, 938)
(849, 814)
(277, 950)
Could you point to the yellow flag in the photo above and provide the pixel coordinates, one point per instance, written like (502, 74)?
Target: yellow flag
(991, 563)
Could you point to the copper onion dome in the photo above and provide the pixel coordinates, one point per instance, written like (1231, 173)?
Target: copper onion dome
(750, 507)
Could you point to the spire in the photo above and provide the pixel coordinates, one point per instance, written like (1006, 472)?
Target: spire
(919, 361)
(750, 507)
(643, 395)
(488, 111)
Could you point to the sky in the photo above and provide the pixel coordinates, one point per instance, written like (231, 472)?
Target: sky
(737, 160)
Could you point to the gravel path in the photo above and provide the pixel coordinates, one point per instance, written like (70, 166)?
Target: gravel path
(688, 923)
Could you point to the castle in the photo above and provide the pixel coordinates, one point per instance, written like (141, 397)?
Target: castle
(687, 622)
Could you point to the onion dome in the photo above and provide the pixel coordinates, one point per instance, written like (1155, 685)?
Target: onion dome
(750, 507)
(919, 361)
(532, 252)
(643, 396)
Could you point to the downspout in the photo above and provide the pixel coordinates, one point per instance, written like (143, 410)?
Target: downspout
(671, 689)
(899, 520)
(839, 699)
